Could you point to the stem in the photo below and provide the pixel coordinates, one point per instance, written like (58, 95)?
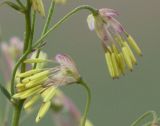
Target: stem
(88, 101)
(32, 30)
(23, 57)
(144, 116)
(16, 115)
(26, 51)
(50, 13)
(28, 31)
(94, 11)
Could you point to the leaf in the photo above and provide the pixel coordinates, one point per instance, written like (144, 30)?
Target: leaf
(5, 92)
(12, 5)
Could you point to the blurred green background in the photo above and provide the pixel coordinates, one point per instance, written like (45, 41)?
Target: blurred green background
(114, 102)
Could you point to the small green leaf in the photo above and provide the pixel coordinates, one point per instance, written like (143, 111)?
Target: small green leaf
(12, 5)
(5, 92)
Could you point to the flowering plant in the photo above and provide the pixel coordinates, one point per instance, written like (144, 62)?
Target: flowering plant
(30, 80)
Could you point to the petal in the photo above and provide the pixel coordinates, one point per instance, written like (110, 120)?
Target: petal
(106, 12)
(68, 67)
(116, 25)
(64, 60)
(91, 21)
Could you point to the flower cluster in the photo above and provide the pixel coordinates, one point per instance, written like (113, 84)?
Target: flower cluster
(42, 83)
(39, 83)
(116, 42)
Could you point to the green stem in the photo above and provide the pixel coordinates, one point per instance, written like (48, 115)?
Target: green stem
(23, 57)
(32, 30)
(50, 14)
(88, 101)
(28, 32)
(144, 116)
(82, 7)
(16, 115)
(26, 51)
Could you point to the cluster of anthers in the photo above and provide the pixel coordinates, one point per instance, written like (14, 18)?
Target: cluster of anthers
(116, 41)
(42, 83)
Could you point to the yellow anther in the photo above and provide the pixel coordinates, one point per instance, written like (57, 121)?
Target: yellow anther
(31, 102)
(43, 110)
(48, 96)
(20, 87)
(121, 63)
(110, 64)
(127, 58)
(115, 50)
(134, 45)
(36, 76)
(36, 82)
(37, 60)
(27, 93)
(29, 73)
(115, 65)
(134, 61)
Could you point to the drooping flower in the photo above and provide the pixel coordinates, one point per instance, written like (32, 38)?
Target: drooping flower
(65, 111)
(42, 83)
(117, 43)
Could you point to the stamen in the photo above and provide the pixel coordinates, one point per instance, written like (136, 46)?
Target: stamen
(110, 64)
(134, 45)
(28, 93)
(36, 76)
(121, 63)
(29, 73)
(44, 108)
(115, 65)
(36, 82)
(48, 94)
(134, 61)
(37, 60)
(127, 58)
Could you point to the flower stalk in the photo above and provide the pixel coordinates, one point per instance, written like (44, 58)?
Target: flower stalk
(74, 11)
(88, 102)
